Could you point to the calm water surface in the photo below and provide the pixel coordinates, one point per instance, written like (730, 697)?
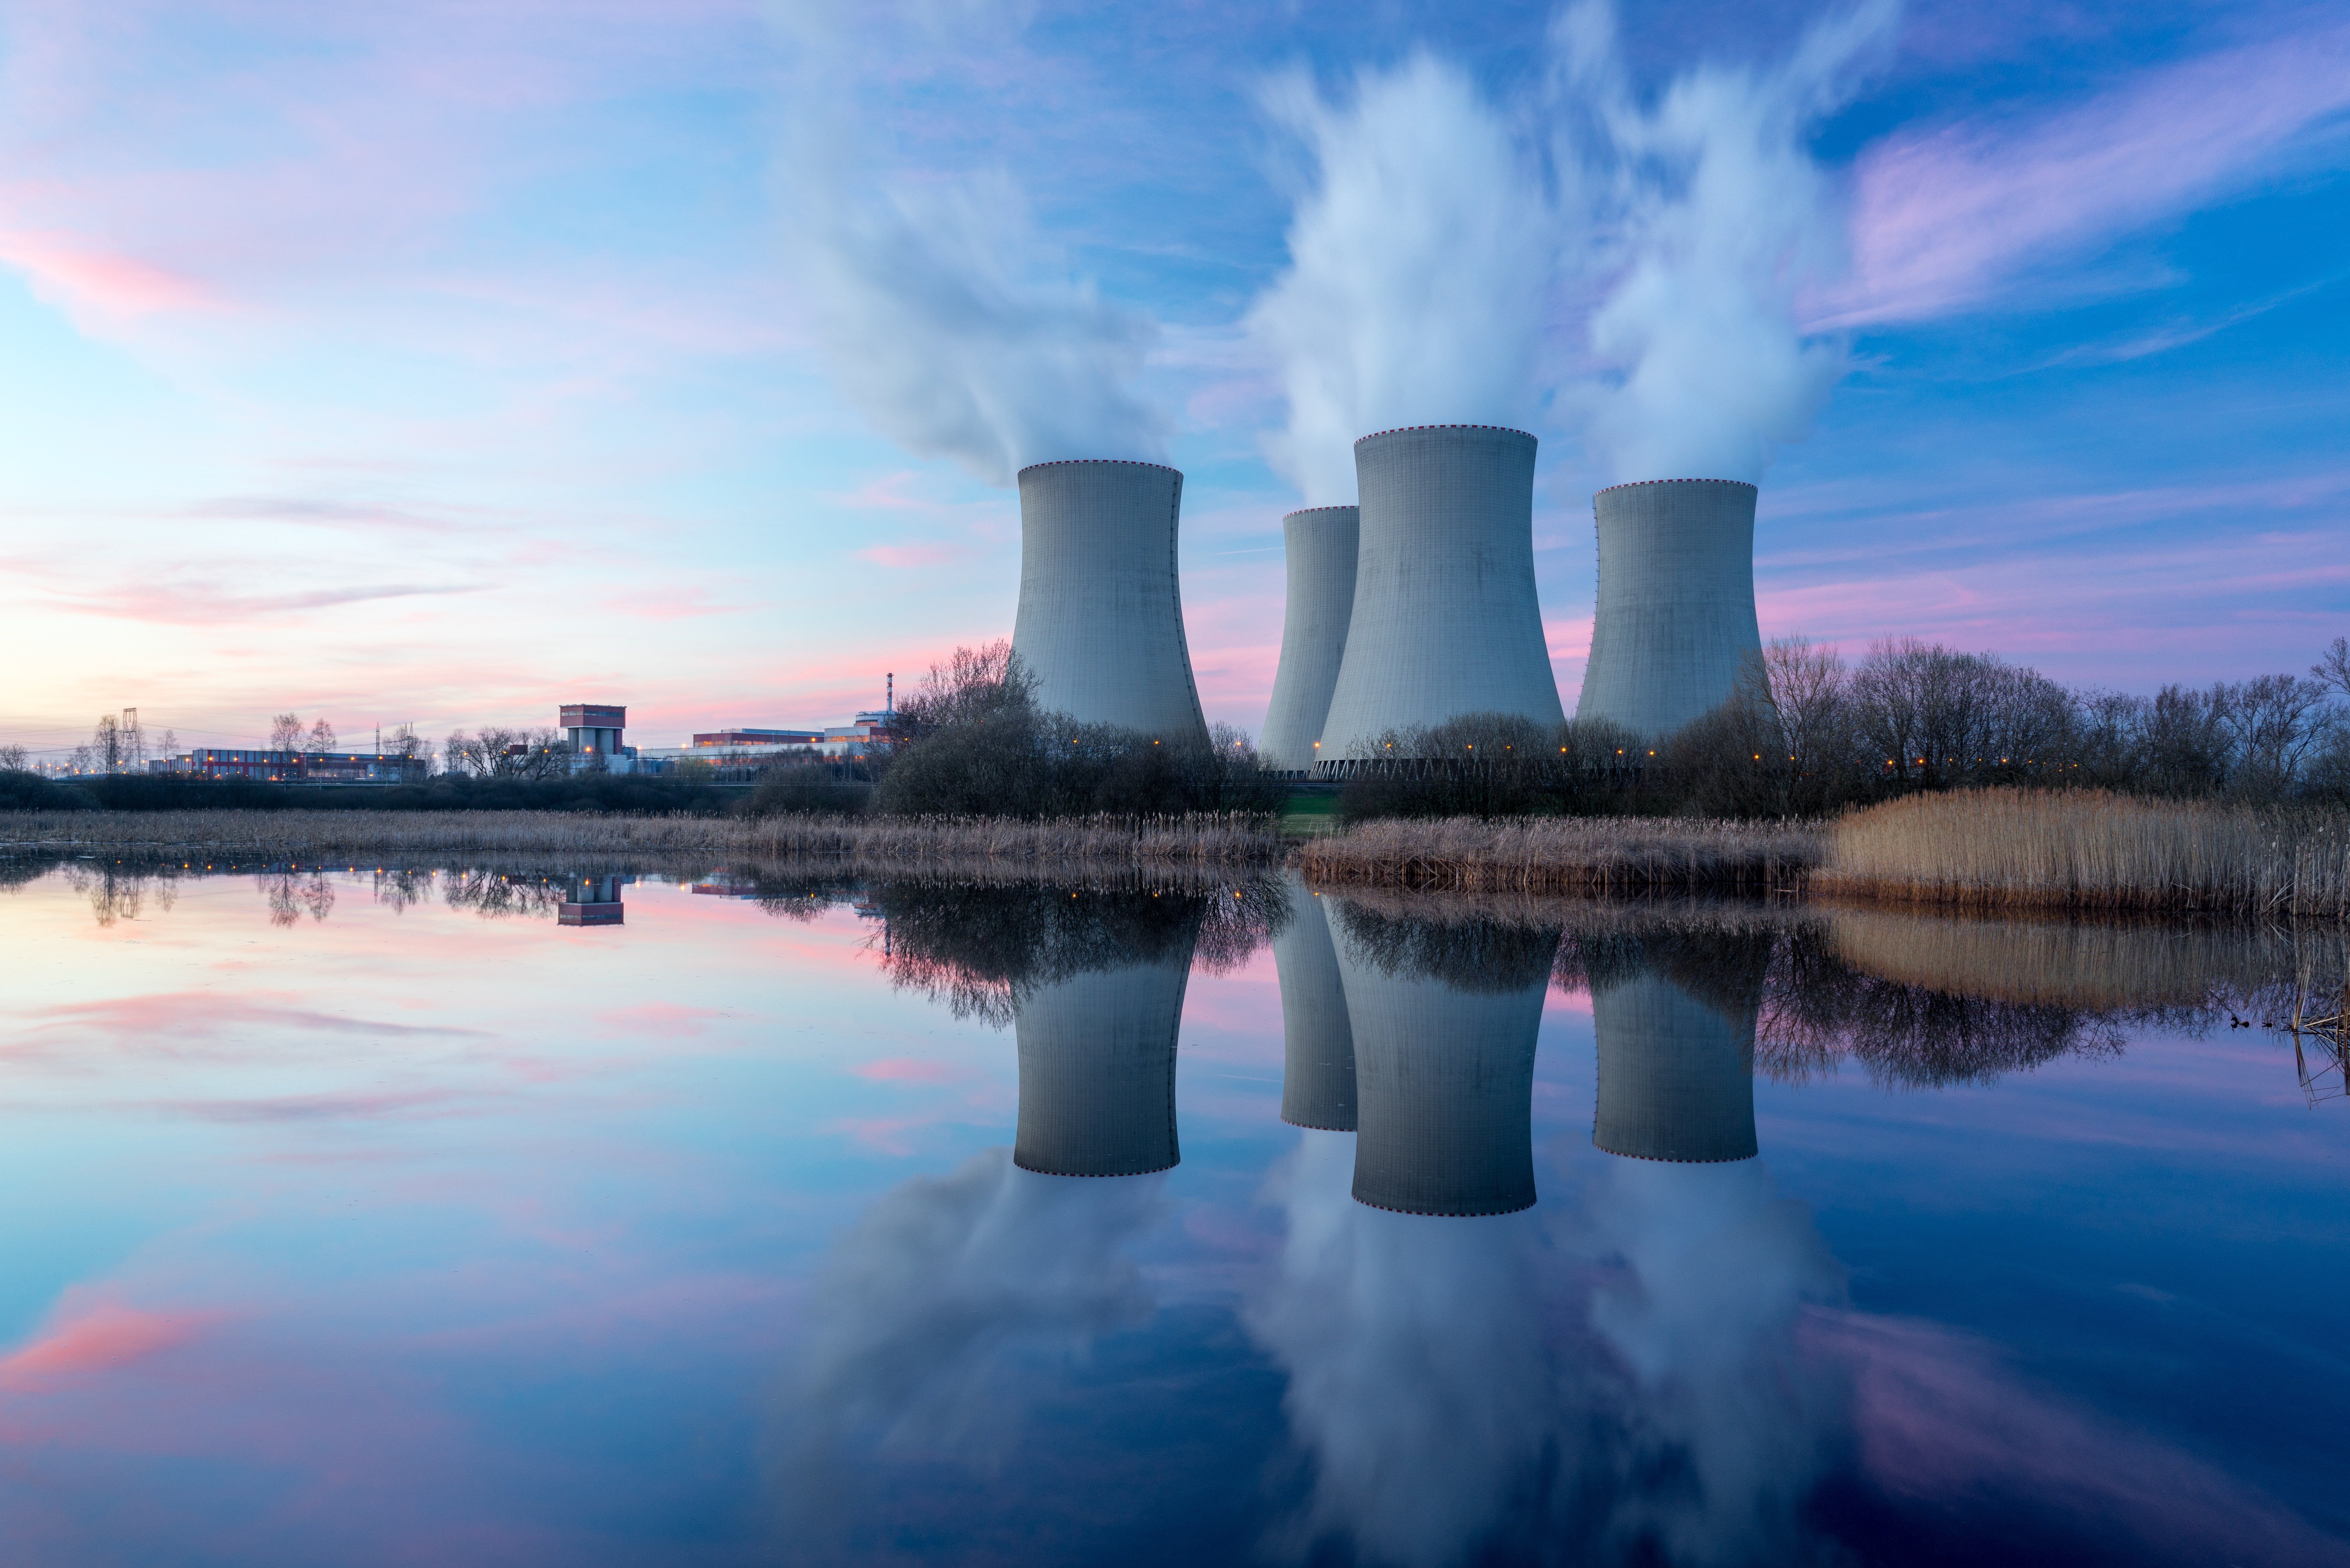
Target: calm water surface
(378, 1219)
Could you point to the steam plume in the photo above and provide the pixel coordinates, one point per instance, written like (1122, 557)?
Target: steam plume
(1418, 262)
(1662, 246)
(943, 313)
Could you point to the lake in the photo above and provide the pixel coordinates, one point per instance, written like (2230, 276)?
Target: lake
(381, 1216)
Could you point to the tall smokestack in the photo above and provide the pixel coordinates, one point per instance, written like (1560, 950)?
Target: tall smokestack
(1100, 623)
(1098, 1070)
(1323, 541)
(1317, 1077)
(1676, 602)
(1676, 1074)
(1444, 1082)
(1446, 619)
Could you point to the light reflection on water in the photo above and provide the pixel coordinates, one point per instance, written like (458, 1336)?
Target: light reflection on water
(366, 1215)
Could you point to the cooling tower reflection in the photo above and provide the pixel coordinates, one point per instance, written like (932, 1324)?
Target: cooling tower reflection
(1317, 1080)
(1668, 1414)
(1445, 1018)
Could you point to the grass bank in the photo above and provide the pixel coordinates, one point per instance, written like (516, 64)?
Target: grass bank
(2003, 849)
(1565, 855)
(901, 845)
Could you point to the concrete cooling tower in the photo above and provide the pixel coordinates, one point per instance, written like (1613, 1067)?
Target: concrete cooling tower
(1098, 1070)
(1444, 1085)
(1100, 622)
(1323, 541)
(1676, 1074)
(1446, 619)
(1317, 1077)
(1676, 610)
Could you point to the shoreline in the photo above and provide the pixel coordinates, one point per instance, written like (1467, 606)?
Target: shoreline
(1975, 852)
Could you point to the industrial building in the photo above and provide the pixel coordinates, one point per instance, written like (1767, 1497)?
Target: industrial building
(594, 901)
(1675, 618)
(1445, 619)
(283, 767)
(593, 731)
(1100, 620)
(1444, 1082)
(1098, 1070)
(1317, 1077)
(1322, 546)
(1676, 1073)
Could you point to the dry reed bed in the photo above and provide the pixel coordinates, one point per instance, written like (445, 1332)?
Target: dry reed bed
(1565, 855)
(2014, 850)
(920, 846)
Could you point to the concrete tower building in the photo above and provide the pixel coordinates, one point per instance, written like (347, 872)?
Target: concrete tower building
(1444, 1082)
(1323, 544)
(1100, 622)
(1676, 601)
(1098, 1070)
(1676, 1074)
(1446, 620)
(1317, 1077)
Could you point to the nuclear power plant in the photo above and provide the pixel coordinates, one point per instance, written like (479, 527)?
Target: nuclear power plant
(1675, 618)
(1445, 618)
(1444, 1082)
(1322, 543)
(1098, 1070)
(1100, 622)
(1676, 1071)
(1318, 1076)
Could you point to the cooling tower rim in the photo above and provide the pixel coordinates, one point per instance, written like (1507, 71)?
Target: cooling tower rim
(1094, 1175)
(1117, 461)
(1635, 484)
(1446, 1213)
(1675, 1158)
(1407, 430)
(1311, 511)
(1313, 1127)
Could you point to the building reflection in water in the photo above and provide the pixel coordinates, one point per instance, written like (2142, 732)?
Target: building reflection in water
(1445, 1018)
(1317, 1079)
(592, 901)
(1097, 1069)
(1666, 1413)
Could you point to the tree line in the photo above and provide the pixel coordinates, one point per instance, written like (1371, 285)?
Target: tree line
(1804, 733)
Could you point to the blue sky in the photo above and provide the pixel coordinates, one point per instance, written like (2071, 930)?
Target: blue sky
(447, 362)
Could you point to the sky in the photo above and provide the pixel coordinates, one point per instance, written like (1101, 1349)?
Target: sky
(447, 362)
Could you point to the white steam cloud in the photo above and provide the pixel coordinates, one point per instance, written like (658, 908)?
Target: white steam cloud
(1432, 1382)
(1633, 266)
(941, 310)
(926, 1319)
(1418, 262)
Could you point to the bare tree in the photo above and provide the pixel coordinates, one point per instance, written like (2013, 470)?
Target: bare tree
(413, 751)
(170, 744)
(106, 748)
(2277, 721)
(2333, 667)
(496, 752)
(286, 732)
(15, 759)
(322, 739)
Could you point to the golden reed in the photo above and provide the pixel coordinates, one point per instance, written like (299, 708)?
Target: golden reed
(1998, 849)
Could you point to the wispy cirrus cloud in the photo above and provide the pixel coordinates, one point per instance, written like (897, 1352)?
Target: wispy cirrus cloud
(1944, 220)
(210, 602)
(89, 1334)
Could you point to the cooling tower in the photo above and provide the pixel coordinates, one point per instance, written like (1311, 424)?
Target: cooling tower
(1445, 619)
(1323, 541)
(1676, 610)
(1676, 1074)
(1100, 622)
(1317, 1077)
(1444, 1084)
(1098, 1070)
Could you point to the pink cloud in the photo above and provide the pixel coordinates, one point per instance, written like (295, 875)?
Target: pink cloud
(907, 557)
(908, 1070)
(1941, 219)
(665, 1017)
(89, 1335)
(82, 279)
